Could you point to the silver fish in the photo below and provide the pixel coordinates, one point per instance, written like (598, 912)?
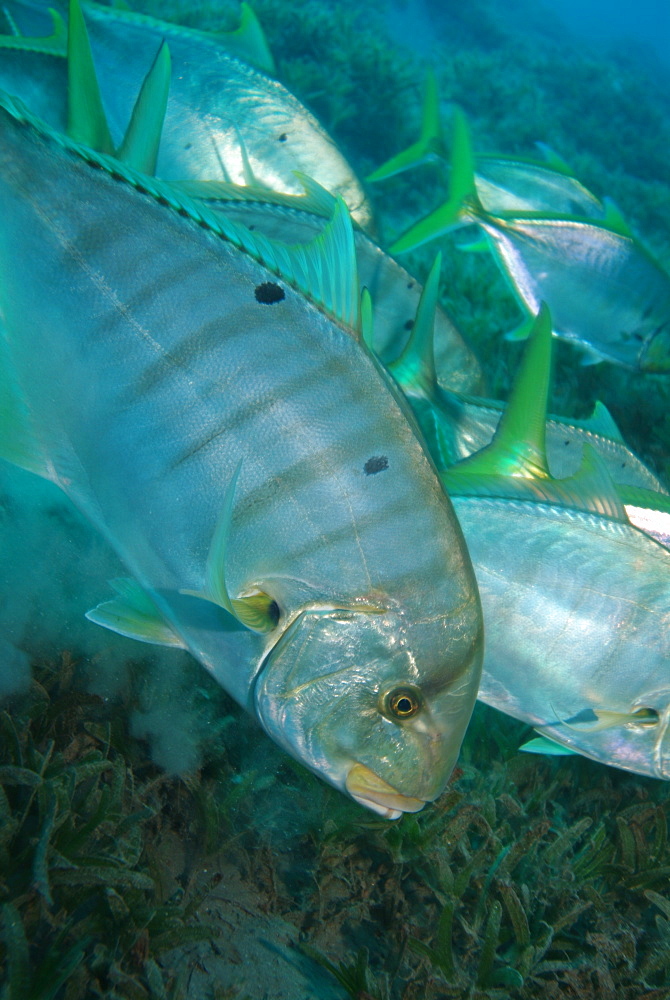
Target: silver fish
(605, 291)
(201, 394)
(575, 598)
(224, 117)
(456, 425)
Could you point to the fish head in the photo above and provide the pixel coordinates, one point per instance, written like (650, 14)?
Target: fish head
(375, 705)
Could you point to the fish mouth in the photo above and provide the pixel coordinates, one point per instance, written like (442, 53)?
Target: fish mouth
(371, 791)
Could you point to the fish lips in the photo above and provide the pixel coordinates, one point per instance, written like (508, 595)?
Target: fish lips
(371, 791)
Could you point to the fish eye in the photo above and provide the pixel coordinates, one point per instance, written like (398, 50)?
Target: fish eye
(402, 703)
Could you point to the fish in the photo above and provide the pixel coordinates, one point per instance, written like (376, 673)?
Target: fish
(605, 291)
(503, 183)
(224, 116)
(205, 397)
(575, 596)
(457, 424)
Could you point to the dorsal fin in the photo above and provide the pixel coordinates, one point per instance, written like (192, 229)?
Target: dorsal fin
(614, 220)
(601, 422)
(415, 368)
(514, 465)
(86, 119)
(430, 143)
(462, 204)
(518, 446)
(139, 148)
(54, 44)
(590, 490)
(248, 41)
(324, 270)
(554, 160)
(316, 200)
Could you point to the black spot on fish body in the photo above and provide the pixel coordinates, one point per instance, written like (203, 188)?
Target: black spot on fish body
(566, 442)
(409, 324)
(375, 464)
(283, 137)
(268, 293)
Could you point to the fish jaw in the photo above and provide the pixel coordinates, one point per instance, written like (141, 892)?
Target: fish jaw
(355, 697)
(371, 791)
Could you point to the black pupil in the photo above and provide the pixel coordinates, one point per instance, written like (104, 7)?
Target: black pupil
(402, 704)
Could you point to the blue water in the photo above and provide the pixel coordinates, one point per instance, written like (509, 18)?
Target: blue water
(624, 25)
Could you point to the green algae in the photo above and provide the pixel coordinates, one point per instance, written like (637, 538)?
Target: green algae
(80, 891)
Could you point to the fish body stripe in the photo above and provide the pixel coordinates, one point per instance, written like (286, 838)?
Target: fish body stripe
(182, 375)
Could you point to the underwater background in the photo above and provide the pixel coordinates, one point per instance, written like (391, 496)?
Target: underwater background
(153, 842)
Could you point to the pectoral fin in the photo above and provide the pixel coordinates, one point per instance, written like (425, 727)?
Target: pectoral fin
(546, 746)
(256, 611)
(134, 614)
(607, 719)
